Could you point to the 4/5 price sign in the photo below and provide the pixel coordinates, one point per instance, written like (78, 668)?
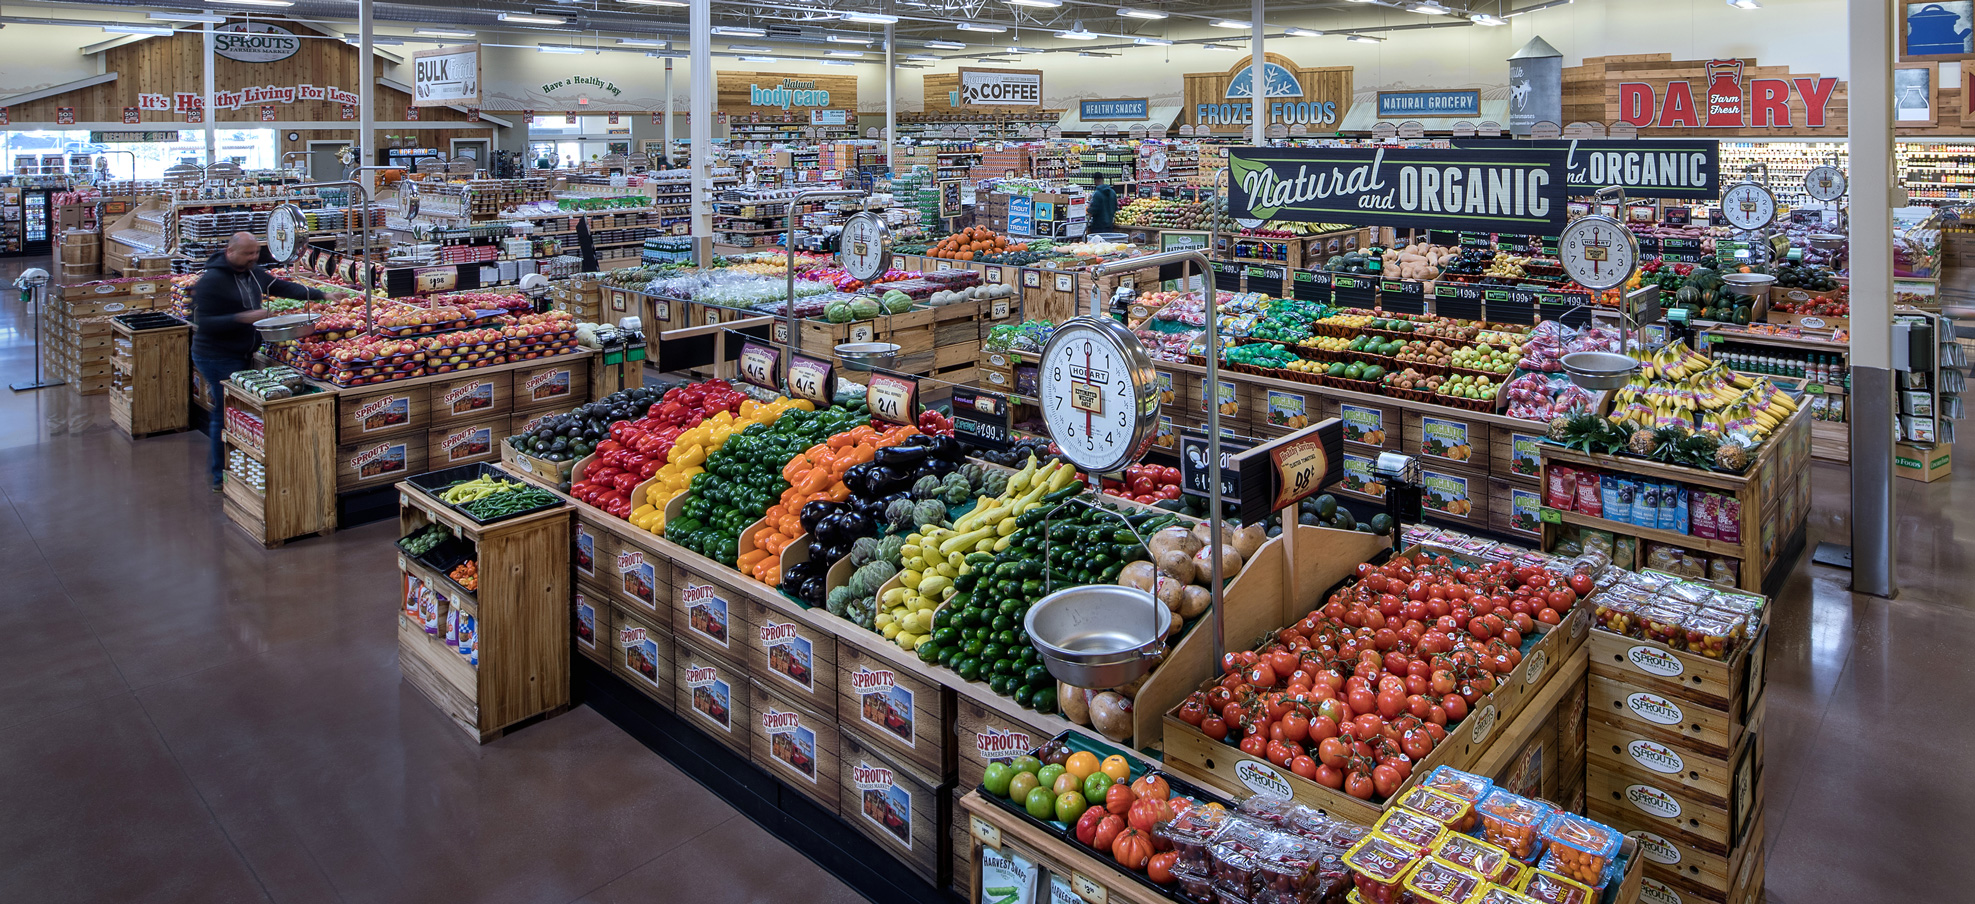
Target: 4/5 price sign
(761, 365)
(813, 379)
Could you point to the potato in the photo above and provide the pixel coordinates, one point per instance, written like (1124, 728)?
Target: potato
(1195, 602)
(1177, 564)
(1111, 715)
(1172, 593)
(1075, 703)
(1249, 539)
(1204, 532)
(1139, 575)
(1174, 537)
(1230, 562)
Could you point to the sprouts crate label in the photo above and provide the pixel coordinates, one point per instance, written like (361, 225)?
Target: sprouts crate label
(384, 461)
(1363, 424)
(589, 615)
(795, 658)
(795, 743)
(644, 654)
(1287, 409)
(639, 578)
(550, 383)
(883, 704)
(465, 442)
(713, 694)
(381, 413)
(706, 610)
(985, 736)
(893, 707)
(1445, 439)
(470, 397)
(584, 553)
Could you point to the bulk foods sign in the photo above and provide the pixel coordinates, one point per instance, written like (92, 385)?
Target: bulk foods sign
(255, 42)
(1688, 170)
(1001, 87)
(446, 75)
(1492, 189)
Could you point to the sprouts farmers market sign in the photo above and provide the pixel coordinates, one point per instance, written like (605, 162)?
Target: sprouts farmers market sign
(1316, 99)
(1496, 189)
(255, 42)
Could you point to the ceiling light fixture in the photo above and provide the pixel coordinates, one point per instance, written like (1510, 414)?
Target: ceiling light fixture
(1429, 8)
(354, 41)
(846, 53)
(1301, 33)
(557, 48)
(641, 42)
(975, 26)
(1224, 48)
(651, 2)
(836, 62)
(1077, 33)
(1093, 53)
(759, 59)
(271, 3)
(1364, 39)
(1488, 20)
(922, 56)
(1134, 13)
(1229, 23)
(186, 17)
(1026, 50)
(1043, 4)
(531, 20)
(157, 31)
(1152, 42)
(1745, 4)
(441, 33)
(740, 31)
(946, 45)
(749, 48)
(847, 39)
(870, 18)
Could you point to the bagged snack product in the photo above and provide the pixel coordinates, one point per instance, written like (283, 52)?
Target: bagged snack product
(1725, 571)
(1701, 514)
(1666, 623)
(1562, 488)
(1681, 510)
(1616, 494)
(1625, 552)
(1728, 520)
(1645, 505)
(1578, 848)
(1510, 821)
(1588, 500)
(1600, 542)
(1618, 613)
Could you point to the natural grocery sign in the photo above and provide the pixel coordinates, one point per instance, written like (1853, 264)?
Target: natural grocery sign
(1000, 88)
(1496, 189)
(446, 75)
(1664, 168)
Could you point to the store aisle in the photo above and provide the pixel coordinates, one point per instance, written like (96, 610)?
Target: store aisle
(187, 717)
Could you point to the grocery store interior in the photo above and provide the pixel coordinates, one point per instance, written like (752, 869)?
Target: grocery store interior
(968, 450)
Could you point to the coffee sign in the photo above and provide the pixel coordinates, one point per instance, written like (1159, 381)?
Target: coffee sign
(255, 42)
(1000, 87)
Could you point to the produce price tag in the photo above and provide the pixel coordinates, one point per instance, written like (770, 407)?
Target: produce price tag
(1300, 469)
(1066, 282)
(1195, 476)
(985, 832)
(862, 332)
(981, 417)
(760, 364)
(894, 398)
(1087, 889)
(434, 279)
(812, 379)
(998, 309)
(781, 333)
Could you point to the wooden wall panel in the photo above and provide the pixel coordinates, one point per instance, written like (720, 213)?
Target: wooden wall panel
(1591, 94)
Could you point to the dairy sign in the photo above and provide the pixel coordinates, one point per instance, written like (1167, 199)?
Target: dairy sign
(1497, 189)
(255, 42)
(1000, 88)
(1662, 96)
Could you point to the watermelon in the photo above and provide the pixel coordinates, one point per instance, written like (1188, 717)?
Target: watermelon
(864, 307)
(838, 312)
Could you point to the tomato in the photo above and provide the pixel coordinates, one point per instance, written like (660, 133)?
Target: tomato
(1193, 710)
(1456, 707)
(1280, 753)
(1359, 785)
(1361, 700)
(1417, 743)
(1560, 600)
(1132, 848)
(1233, 712)
(1418, 706)
(1107, 832)
(1087, 824)
(1278, 706)
(1118, 800)
(1369, 725)
(1442, 682)
(1254, 746)
(1581, 584)
(1283, 662)
(1160, 868)
(1333, 752)
(1523, 622)
(1549, 616)
(1214, 727)
(1146, 814)
(1320, 728)
(1332, 710)
(1385, 779)
(1438, 728)
(1152, 787)
(1262, 675)
(1512, 637)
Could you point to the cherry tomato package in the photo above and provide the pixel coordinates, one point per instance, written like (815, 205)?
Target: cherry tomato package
(1464, 785)
(1411, 827)
(1578, 848)
(1439, 882)
(1545, 887)
(1191, 833)
(1512, 822)
(1478, 857)
(1378, 867)
(1448, 810)
(1498, 895)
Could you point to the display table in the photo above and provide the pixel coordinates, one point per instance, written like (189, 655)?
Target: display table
(288, 439)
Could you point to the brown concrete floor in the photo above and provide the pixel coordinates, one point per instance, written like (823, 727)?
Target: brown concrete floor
(187, 717)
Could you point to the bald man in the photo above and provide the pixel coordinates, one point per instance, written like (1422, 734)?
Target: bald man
(226, 301)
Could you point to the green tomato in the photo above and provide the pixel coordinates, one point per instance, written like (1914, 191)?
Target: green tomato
(1041, 803)
(1095, 785)
(996, 778)
(1046, 776)
(1069, 806)
(1020, 786)
(1026, 763)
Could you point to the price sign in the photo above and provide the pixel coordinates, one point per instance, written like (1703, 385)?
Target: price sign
(894, 398)
(760, 364)
(862, 332)
(1087, 889)
(812, 379)
(1282, 472)
(984, 831)
(661, 310)
(998, 309)
(435, 279)
(1197, 479)
(981, 418)
(781, 333)
(1300, 466)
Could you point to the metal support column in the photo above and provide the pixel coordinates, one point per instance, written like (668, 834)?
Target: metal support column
(1872, 181)
(1258, 84)
(207, 116)
(891, 93)
(700, 122)
(366, 95)
(667, 148)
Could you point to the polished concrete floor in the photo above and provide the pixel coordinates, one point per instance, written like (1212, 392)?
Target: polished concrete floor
(187, 717)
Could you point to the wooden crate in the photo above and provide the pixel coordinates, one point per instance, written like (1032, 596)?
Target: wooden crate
(464, 442)
(469, 398)
(379, 461)
(591, 619)
(1279, 411)
(1627, 750)
(1361, 480)
(1454, 495)
(793, 743)
(1725, 686)
(712, 695)
(1516, 453)
(300, 498)
(643, 654)
(633, 577)
(893, 800)
(562, 380)
(790, 654)
(892, 706)
(982, 736)
(527, 420)
(711, 613)
(1448, 440)
(152, 395)
(1514, 509)
(1692, 873)
(1367, 425)
(1670, 718)
(1675, 814)
(381, 412)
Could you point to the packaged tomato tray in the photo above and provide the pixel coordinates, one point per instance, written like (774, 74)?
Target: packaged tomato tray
(1444, 808)
(1436, 881)
(1478, 857)
(1464, 785)
(1513, 822)
(1379, 865)
(1579, 848)
(1416, 829)
(1545, 887)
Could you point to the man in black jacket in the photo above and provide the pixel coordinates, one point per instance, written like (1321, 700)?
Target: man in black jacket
(226, 301)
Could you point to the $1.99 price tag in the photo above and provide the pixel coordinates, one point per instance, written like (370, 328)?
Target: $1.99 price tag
(894, 398)
(759, 364)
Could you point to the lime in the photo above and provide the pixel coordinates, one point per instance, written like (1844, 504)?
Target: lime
(1020, 786)
(1041, 803)
(1069, 806)
(1046, 776)
(996, 779)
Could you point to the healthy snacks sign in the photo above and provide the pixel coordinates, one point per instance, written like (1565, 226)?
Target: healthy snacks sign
(1492, 190)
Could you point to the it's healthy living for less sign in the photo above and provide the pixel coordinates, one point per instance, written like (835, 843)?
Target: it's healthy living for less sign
(1486, 190)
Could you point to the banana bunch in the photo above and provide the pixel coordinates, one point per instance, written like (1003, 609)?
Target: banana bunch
(477, 488)
(933, 556)
(1675, 361)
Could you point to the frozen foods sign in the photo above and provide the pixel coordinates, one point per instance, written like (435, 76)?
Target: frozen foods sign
(1001, 87)
(255, 42)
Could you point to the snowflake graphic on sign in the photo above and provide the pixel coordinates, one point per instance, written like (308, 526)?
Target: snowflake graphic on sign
(1276, 78)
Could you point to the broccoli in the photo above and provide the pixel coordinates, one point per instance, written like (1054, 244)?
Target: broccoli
(925, 486)
(929, 511)
(863, 550)
(898, 515)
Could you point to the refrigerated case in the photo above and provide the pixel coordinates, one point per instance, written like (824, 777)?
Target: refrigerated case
(37, 219)
(11, 224)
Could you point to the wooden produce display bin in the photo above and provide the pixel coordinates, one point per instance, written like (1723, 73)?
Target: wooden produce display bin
(883, 700)
(794, 743)
(710, 612)
(522, 611)
(791, 655)
(643, 654)
(287, 437)
(914, 332)
(896, 802)
(1674, 754)
(590, 621)
(150, 379)
(712, 694)
(1773, 495)
(628, 574)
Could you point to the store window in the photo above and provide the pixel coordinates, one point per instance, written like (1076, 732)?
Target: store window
(251, 148)
(553, 138)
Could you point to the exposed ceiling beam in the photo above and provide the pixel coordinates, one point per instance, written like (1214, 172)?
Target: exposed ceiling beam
(53, 90)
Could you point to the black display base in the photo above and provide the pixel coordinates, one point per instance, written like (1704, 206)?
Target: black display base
(816, 832)
(358, 507)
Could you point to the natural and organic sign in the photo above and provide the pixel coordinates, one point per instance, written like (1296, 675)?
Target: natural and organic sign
(1126, 109)
(255, 42)
(446, 75)
(1508, 190)
(1663, 168)
(1000, 87)
(1407, 104)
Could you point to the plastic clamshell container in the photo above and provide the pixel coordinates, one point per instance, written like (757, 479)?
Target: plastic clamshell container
(1378, 866)
(1478, 857)
(1545, 887)
(1194, 883)
(1285, 870)
(1411, 827)
(1496, 894)
(1334, 832)
(1617, 613)
(1512, 822)
(1715, 633)
(1665, 623)
(1578, 848)
(1191, 833)
(1448, 810)
(1464, 785)
(1231, 859)
(1439, 882)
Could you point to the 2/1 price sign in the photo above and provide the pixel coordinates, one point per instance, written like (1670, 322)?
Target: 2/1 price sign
(760, 365)
(982, 418)
(813, 379)
(894, 398)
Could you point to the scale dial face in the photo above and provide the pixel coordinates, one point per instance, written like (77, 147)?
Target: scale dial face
(287, 232)
(1598, 252)
(1825, 183)
(1098, 394)
(866, 246)
(1748, 206)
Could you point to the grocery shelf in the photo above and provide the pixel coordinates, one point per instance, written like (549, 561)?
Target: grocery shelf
(1669, 537)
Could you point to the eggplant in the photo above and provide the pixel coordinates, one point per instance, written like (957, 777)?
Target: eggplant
(813, 590)
(813, 512)
(858, 478)
(900, 455)
(948, 448)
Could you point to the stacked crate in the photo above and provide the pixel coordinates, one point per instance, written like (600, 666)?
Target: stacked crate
(1674, 753)
(76, 342)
